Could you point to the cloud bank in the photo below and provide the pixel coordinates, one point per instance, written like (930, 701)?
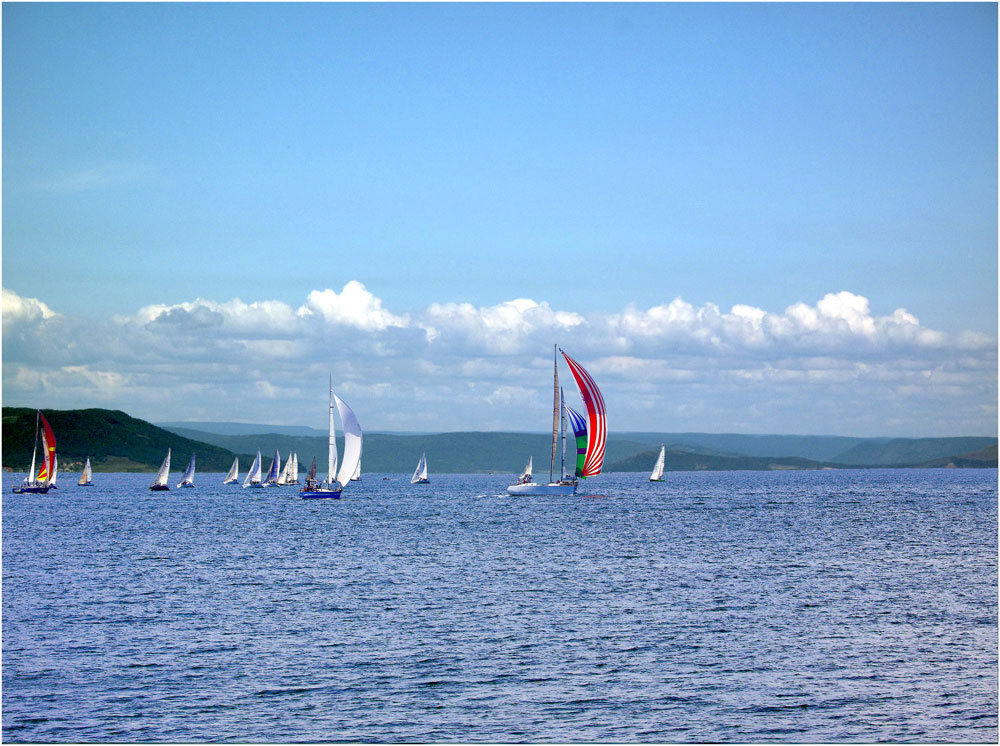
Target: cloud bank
(827, 367)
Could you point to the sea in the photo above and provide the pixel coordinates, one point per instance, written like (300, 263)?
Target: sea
(799, 606)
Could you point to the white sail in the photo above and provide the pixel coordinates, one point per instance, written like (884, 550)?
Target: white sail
(526, 474)
(272, 473)
(657, 474)
(295, 469)
(55, 471)
(331, 456)
(285, 478)
(233, 471)
(164, 473)
(87, 475)
(253, 476)
(352, 441)
(356, 477)
(30, 479)
(187, 478)
(420, 474)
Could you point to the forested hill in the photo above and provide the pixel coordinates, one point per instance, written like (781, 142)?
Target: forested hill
(112, 440)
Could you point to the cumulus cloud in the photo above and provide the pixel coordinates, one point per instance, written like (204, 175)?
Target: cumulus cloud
(352, 306)
(17, 309)
(829, 366)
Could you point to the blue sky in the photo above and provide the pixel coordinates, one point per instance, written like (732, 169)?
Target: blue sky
(596, 159)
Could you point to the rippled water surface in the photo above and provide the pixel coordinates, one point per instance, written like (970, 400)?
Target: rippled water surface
(796, 606)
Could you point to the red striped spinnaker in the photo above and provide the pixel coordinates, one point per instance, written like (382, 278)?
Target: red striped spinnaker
(596, 416)
(48, 450)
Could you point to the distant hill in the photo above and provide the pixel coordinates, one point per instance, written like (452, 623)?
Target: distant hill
(910, 450)
(240, 428)
(685, 460)
(112, 440)
(985, 458)
(468, 452)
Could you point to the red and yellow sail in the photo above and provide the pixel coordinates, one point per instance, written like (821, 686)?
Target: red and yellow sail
(48, 450)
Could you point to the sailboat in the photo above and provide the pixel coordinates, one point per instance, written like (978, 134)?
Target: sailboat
(87, 478)
(356, 476)
(187, 478)
(293, 474)
(590, 450)
(40, 483)
(253, 476)
(420, 474)
(233, 471)
(283, 479)
(525, 477)
(160, 483)
(657, 475)
(55, 473)
(333, 486)
(271, 479)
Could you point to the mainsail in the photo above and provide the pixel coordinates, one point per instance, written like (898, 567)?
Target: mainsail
(187, 478)
(285, 473)
(272, 473)
(294, 473)
(253, 476)
(526, 474)
(420, 474)
(596, 416)
(87, 476)
(233, 471)
(352, 441)
(164, 473)
(657, 474)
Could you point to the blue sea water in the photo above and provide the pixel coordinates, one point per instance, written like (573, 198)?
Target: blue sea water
(719, 606)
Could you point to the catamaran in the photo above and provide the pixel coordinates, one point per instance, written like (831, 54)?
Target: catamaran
(233, 471)
(253, 476)
(87, 478)
(420, 473)
(590, 450)
(657, 475)
(187, 478)
(335, 481)
(160, 483)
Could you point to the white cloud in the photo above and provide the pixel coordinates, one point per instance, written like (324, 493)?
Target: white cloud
(353, 306)
(830, 366)
(19, 309)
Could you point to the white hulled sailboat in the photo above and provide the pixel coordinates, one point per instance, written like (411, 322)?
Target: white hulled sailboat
(590, 450)
(253, 476)
(160, 483)
(232, 477)
(187, 478)
(657, 475)
(87, 478)
(333, 486)
(420, 473)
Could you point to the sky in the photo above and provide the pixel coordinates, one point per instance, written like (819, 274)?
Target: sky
(753, 218)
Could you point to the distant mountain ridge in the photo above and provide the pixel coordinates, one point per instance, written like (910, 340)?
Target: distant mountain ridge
(115, 441)
(112, 439)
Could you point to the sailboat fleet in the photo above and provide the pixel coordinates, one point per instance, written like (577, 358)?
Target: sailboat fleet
(587, 432)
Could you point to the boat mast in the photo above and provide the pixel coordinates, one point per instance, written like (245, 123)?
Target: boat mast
(562, 427)
(31, 474)
(329, 456)
(555, 410)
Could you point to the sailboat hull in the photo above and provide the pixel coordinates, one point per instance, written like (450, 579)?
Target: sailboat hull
(417, 481)
(541, 489)
(32, 490)
(320, 493)
(159, 488)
